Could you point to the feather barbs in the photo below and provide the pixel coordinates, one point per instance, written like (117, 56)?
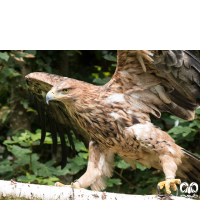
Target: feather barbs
(143, 54)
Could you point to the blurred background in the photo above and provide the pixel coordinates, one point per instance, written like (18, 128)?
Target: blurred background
(23, 159)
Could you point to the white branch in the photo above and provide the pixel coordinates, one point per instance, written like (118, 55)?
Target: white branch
(15, 190)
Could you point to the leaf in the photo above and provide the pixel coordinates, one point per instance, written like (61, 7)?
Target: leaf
(7, 72)
(5, 166)
(194, 123)
(80, 161)
(26, 135)
(176, 118)
(5, 115)
(24, 103)
(15, 140)
(179, 129)
(18, 151)
(84, 155)
(5, 162)
(34, 157)
(4, 56)
(101, 81)
(50, 163)
(122, 164)
(45, 171)
(74, 168)
(48, 140)
(110, 58)
(25, 144)
(6, 142)
(79, 146)
(37, 135)
(22, 160)
(142, 168)
(35, 166)
(112, 181)
(18, 54)
(49, 181)
(27, 178)
(61, 172)
(197, 111)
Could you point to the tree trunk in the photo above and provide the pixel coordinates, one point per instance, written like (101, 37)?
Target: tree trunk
(14, 190)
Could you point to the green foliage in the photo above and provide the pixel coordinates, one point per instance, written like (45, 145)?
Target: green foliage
(27, 166)
(4, 56)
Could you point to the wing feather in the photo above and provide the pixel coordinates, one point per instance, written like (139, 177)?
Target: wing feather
(61, 132)
(189, 169)
(160, 81)
(41, 113)
(53, 132)
(59, 119)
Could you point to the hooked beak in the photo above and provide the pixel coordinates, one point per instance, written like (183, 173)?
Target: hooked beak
(50, 96)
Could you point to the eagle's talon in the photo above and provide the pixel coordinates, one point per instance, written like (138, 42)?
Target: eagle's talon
(169, 183)
(58, 184)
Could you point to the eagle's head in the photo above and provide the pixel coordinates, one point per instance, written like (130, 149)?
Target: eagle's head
(68, 90)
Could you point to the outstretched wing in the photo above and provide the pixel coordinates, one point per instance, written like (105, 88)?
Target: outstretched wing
(59, 119)
(160, 81)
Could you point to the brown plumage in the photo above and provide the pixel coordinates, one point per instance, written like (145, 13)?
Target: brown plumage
(116, 116)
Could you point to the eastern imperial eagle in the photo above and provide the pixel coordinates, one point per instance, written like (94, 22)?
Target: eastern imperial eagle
(115, 117)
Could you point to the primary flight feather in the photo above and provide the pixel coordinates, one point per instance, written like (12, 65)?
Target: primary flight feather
(114, 118)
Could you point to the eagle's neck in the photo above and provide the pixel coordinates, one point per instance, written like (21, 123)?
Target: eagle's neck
(86, 107)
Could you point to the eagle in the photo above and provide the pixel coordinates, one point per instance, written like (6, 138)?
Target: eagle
(115, 118)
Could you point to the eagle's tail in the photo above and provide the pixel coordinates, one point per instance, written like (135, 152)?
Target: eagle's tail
(189, 169)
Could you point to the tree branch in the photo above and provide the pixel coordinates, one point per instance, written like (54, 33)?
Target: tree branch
(15, 190)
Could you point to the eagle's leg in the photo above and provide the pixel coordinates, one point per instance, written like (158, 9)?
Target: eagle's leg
(169, 169)
(100, 165)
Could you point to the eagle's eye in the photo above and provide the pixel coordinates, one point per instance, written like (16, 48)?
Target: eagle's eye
(66, 90)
